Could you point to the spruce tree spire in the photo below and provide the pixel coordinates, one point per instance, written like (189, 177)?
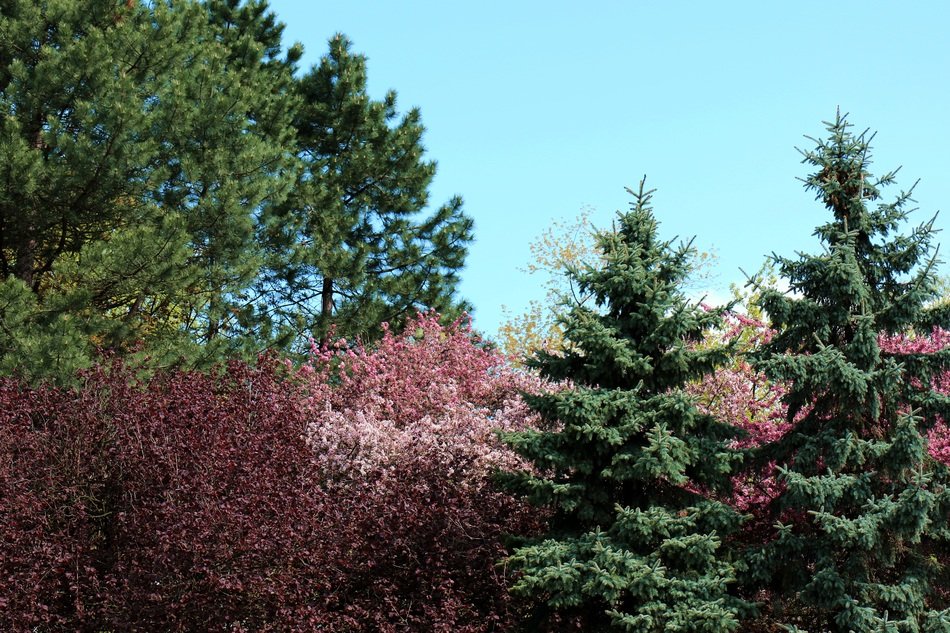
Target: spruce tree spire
(633, 546)
(862, 521)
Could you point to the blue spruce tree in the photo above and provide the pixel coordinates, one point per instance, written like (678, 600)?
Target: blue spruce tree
(862, 524)
(633, 543)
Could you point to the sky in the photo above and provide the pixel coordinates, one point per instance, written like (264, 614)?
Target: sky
(537, 110)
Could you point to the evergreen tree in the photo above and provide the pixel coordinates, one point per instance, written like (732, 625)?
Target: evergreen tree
(263, 175)
(147, 150)
(350, 248)
(634, 543)
(862, 523)
(137, 143)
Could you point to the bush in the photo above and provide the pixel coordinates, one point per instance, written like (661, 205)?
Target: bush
(341, 496)
(405, 434)
(183, 503)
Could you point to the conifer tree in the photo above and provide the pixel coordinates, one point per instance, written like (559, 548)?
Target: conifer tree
(626, 457)
(861, 527)
(137, 143)
(362, 249)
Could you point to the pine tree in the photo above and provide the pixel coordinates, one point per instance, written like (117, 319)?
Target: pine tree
(230, 154)
(361, 251)
(627, 460)
(862, 525)
(137, 143)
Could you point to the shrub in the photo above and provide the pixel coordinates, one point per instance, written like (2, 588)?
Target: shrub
(405, 434)
(350, 494)
(182, 503)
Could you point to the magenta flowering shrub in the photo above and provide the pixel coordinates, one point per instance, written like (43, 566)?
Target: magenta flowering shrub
(939, 438)
(405, 438)
(433, 391)
(935, 341)
(352, 494)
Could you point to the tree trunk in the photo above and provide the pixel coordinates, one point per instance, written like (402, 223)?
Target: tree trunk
(25, 259)
(326, 309)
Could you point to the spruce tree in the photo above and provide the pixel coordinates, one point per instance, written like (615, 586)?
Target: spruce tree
(862, 524)
(627, 461)
(354, 246)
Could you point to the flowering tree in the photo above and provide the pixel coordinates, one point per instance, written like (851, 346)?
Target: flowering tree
(910, 345)
(351, 494)
(745, 398)
(405, 434)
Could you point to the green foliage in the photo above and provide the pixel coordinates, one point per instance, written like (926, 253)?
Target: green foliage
(136, 143)
(147, 152)
(36, 343)
(360, 253)
(560, 248)
(634, 545)
(861, 528)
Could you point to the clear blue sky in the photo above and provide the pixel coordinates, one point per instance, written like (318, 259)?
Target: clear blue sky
(537, 109)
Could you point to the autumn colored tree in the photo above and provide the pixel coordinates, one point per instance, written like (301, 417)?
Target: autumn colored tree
(633, 544)
(862, 518)
(560, 247)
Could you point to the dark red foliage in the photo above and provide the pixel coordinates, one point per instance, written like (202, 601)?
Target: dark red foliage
(423, 552)
(183, 504)
(197, 502)
(53, 479)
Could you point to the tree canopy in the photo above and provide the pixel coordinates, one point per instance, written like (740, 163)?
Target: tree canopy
(173, 186)
(861, 524)
(625, 457)
(351, 250)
